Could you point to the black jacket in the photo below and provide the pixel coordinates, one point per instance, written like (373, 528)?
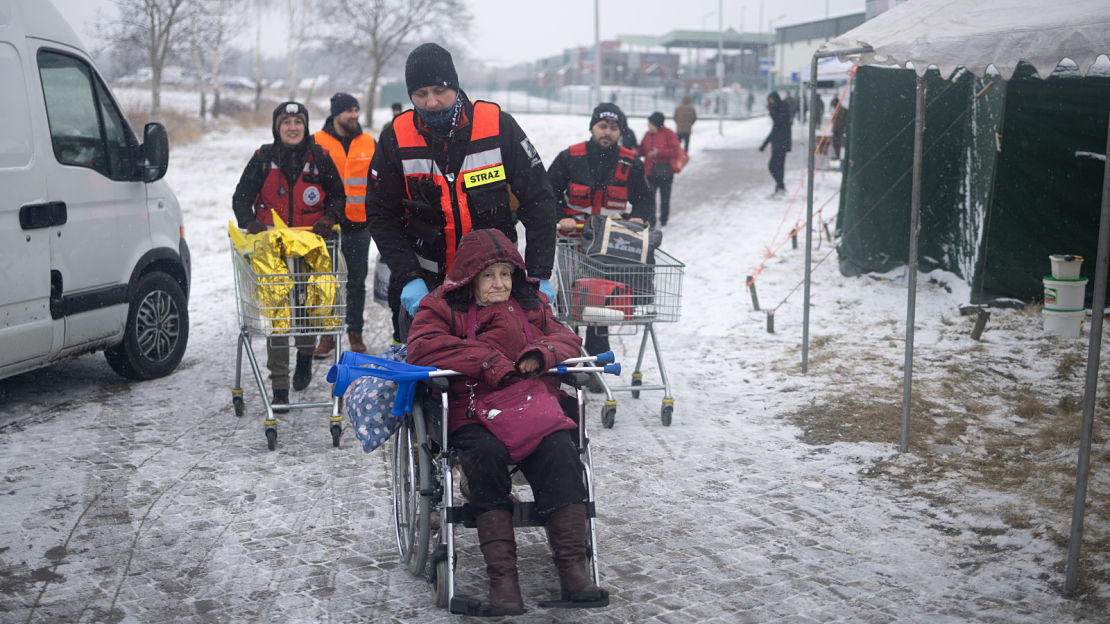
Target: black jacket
(290, 161)
(527, 180)
(781, 120)
(602, 163)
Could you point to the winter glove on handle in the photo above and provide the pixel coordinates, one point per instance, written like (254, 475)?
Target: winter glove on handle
(323, 226)
(412, 293)
(254, 227)
(546, 289)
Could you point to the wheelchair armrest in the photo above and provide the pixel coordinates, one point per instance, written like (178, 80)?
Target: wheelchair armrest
(576, 380)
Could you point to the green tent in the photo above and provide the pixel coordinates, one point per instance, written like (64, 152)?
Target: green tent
(1012, 173)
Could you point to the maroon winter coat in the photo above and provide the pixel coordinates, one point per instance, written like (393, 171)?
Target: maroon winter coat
(438, 336)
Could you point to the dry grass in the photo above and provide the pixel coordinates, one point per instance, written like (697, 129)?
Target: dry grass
(977, 428)
(184, 128)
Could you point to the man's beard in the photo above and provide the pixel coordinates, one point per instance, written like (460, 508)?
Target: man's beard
(350, 127)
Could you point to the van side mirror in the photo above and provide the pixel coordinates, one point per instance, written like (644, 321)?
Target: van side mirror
(156, 152)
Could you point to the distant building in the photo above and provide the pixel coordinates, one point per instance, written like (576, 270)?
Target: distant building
(794, 45)
(577, 66)
(680, 58)
(875, 7)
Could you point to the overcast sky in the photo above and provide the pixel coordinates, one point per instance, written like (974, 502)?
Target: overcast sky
(526, 30)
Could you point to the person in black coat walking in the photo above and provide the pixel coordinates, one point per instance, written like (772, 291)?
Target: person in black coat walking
(779, 139)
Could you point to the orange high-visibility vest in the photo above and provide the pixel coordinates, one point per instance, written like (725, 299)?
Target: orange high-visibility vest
(611, 199)
(483, 164)
(353, 166)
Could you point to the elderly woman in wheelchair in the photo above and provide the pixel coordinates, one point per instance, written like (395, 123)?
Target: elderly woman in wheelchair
(489, 323)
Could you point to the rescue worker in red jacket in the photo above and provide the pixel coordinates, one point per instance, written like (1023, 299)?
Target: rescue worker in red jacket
(600, 177)
(294, 178)
(351, 150)
(445, 168)
(488, 321)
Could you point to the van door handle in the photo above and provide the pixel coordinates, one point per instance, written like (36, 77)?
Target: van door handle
(38, 216)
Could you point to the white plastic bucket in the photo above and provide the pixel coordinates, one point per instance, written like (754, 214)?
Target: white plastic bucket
(1063, 323)
(1064, 294)
(1065, 266)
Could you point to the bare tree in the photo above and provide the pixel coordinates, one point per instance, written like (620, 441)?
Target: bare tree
(378, 31)
(299, 21)
(211, 25)
(256, 58)
(150, 26)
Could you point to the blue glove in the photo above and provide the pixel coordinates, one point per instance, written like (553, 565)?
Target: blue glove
(412, 293)
(545, 288)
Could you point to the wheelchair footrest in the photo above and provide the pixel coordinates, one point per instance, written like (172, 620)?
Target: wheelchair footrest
(565, 602)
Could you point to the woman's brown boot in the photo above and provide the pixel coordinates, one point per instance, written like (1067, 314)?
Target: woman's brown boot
(498, 543)
(566, 531)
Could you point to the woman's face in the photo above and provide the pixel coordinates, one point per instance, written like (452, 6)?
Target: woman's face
(494, 284)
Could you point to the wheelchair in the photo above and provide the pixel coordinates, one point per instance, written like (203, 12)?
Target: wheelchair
(426, 509)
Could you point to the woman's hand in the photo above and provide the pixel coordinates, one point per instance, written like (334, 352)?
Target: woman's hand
(530, 364)
(567, 225)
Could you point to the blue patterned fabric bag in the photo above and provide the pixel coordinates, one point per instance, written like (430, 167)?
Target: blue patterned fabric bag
(369, 401)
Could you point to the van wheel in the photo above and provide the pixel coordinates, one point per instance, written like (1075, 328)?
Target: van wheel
(156, 332)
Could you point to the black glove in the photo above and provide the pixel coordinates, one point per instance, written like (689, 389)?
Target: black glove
(761, 147)
(323, 226)
(254, 227)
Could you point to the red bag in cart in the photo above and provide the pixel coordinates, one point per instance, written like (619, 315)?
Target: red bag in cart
(596, 299)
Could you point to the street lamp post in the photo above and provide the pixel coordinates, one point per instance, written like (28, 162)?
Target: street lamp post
(720, 67)
(774, 48)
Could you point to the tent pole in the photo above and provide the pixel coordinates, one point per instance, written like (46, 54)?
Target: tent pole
(911, 267)
(811, 163)
(809, 194)
(1098, 302)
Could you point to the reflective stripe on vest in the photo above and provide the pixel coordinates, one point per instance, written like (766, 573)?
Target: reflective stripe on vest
(609, 200)
(482, 164)
(300, 206)
(353, 166)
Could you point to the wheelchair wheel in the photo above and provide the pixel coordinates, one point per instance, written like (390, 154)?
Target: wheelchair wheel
(411, 510)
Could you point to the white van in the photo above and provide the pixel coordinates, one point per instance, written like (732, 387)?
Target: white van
(91, 238)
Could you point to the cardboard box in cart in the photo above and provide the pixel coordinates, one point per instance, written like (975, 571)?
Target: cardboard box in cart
(93, 243)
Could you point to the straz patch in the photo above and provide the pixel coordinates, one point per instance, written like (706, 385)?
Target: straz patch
(488, 175)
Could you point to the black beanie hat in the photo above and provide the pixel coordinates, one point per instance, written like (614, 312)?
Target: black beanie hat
(429, 65)
(656, 119)
(609, 112)
(341, 102)
(289, 109)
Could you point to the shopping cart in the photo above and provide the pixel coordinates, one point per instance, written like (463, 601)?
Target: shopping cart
(300, 295)
(627, 298)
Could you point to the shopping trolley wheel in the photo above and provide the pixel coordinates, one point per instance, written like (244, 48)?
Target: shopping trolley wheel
(637, 381)
(336, 431)
(608, 416)
(665, 414)
(237, 402)
(271, 439)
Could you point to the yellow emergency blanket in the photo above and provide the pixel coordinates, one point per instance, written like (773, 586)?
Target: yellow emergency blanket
(266, 254)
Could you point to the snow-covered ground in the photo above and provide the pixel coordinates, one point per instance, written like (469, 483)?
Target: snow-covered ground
(775, 495)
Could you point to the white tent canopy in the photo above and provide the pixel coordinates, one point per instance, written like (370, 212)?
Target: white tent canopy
(978, 33)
